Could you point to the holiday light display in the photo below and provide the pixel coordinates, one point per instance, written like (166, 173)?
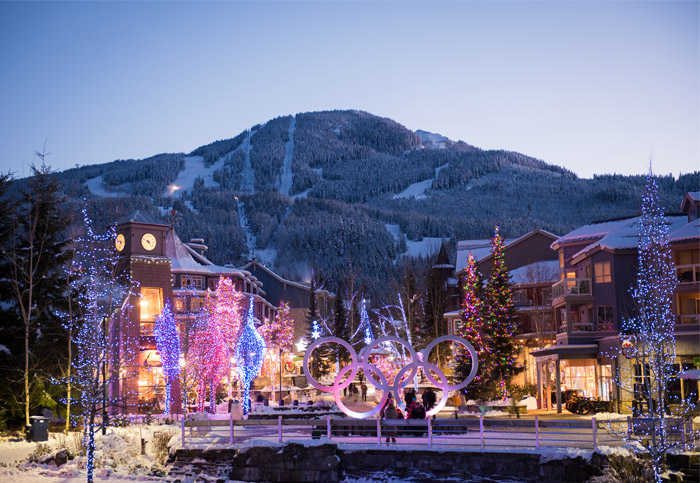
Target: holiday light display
(499, 325)
(101, 292)
(208, 354)
(364, 322)
(471, 325)
(277, 334)
(654, 352)
(250, 353)
(228, 311)
(168, 344)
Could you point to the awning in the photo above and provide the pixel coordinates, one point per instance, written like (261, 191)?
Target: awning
(566, 351)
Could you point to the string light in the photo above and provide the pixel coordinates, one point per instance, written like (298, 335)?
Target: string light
(364, 322)
(250, 353)
(471, 327)
(168, 344)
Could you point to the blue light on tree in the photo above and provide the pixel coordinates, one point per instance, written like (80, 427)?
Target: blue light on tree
(364, 321)
(250, 354)
(168, 344)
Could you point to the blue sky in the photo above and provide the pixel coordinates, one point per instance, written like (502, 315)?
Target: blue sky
(596, 87)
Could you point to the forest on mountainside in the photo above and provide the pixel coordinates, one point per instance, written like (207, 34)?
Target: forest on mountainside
(347, 167)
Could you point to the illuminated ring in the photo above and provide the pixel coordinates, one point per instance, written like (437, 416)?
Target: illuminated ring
(366, 351)
(310, 379)
(427, 367)
(336, 394)
(472, 353)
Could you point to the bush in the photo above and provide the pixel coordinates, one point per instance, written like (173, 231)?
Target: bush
(160, 446)
(629, 469)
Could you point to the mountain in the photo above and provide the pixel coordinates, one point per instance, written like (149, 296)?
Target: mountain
(347, 191)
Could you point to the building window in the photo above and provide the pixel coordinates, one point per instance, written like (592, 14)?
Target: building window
(151, 304)
(196, 303)
(602, 272)
(193, 281)
(179, 305)
(606, 320)
(689, 308)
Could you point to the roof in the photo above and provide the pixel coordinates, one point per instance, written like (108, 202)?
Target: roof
(545, 271)
(141, 217)
(689, 231)
(568, 351)
(690, 198)
(622, 234)
(301, 285)
(443, 261)
(481, 249)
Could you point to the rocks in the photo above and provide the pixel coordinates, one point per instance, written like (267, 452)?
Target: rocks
(293, 462)
(58, 458)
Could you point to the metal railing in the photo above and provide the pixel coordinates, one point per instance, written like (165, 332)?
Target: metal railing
(479, 433)
(688, 273)
(571, 286)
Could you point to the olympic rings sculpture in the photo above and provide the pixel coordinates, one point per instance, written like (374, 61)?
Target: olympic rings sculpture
(418, 359)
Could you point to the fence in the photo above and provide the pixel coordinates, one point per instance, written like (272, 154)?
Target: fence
(458, 433)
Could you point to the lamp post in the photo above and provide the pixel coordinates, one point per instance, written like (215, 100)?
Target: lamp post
(183, 385)
(104, 375)
(280, 377)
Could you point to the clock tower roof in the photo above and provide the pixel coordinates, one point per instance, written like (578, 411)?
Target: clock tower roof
(142, 218)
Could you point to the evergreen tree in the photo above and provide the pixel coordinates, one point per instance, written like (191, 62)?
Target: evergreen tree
(470, 328)
(499, 324)
(33, 255)
(340, 327)
(312, 318)
(322, 356)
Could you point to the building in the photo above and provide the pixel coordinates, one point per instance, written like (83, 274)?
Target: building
(597, 268)
(163, 269)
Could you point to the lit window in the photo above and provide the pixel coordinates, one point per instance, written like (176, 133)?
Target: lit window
(602, 272)
(151, 304)
(192, 281)
(179, 305)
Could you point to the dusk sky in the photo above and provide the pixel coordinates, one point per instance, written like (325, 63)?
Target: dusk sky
(596, 87)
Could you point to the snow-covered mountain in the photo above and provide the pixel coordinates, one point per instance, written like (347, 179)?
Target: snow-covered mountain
(347, 190)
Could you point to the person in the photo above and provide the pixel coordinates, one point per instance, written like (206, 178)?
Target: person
(417, 411)
(364, 392)
(389, 399)
(390, 413)
(356, 392)
(428, 398)
(410, 397)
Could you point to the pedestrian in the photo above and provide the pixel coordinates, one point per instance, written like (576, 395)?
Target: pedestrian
(409, 397)
(428, 398)
(390, 413)
(364, 392)
(356, 393)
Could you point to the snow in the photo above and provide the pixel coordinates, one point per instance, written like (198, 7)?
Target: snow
(96, 188)
(478, 248)
(194, 168)
(247, 175)
(286, 178)
(417, 190)
(433, 140)
(689, 231)
(303, 194)
(426, 247)
(3, 348)
(555, 454)
(539, 272)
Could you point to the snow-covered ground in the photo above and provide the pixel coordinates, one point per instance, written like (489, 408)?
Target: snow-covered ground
(96, 188)
(426, 247)
(194, 168)
(286, 178)
(417, 190)
(247, 174)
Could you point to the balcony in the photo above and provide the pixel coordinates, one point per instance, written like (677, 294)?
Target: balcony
(688, 273)
(575, 287)
(689, 319)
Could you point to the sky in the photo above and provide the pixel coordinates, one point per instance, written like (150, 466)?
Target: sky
(596, 87)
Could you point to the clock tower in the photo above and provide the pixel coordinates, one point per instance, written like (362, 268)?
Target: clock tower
(141, 242)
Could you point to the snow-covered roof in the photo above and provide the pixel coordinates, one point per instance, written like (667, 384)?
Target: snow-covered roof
(623, 234)
(694, 195)
(538, 272)
(139, 216)
(593, 231)
(478, 248)
(689, 231)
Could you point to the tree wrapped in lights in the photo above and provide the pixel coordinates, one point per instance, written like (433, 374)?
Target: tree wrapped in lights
(499, 324)
(208, 354)
(367, 337)
(103, 298)
(250, 353)
(471, 327)
(651, 346)
(277, 334)
(228, 311)
(168, 344)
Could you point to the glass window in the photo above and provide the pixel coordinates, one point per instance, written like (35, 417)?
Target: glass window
(179, 305)
(605, 318)
(602, 272)
(192, 281)
(151, 304)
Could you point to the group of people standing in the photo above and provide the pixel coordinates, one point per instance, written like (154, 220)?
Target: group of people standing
(414, 409)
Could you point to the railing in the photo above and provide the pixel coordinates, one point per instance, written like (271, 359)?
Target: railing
(689, 319)
(688, 273)
(571, 286)
(457, 433)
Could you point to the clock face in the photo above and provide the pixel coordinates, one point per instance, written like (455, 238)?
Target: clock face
(148, 241)
(119, 242)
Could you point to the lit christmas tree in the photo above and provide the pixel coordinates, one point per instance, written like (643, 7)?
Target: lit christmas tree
(168, 344)
(471, 327)
(499, 325)
(228, 311)
(277, 334)
(250, 353)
